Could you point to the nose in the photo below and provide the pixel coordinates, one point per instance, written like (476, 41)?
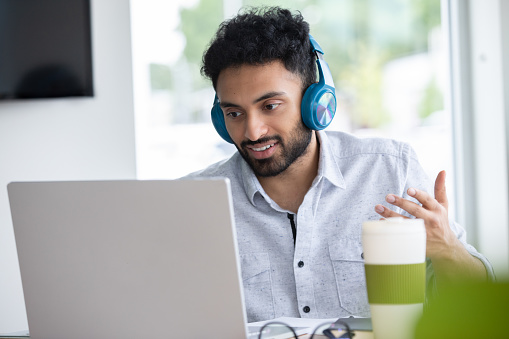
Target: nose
(255, 126)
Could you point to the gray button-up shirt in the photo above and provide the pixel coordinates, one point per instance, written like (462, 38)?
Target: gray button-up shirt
(322, 275)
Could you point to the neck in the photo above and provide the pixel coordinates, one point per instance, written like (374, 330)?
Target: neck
(289, 188)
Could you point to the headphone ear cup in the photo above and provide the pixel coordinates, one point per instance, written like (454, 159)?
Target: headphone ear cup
(216, 113)
(318, 106)
(306, 107)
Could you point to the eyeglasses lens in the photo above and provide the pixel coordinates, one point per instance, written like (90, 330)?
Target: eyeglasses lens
(334, 330)
(276, 330)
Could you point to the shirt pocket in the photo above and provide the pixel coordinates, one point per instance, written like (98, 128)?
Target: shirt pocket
(347, 260)
(257, 282)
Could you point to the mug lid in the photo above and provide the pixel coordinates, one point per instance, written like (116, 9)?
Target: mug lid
(394, 225)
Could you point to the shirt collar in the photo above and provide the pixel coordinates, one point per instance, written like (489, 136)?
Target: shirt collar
(251, 183)
(328, 168)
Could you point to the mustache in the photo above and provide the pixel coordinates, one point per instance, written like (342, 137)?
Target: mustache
(245, 143)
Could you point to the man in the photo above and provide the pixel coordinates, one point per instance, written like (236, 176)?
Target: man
(300, 195)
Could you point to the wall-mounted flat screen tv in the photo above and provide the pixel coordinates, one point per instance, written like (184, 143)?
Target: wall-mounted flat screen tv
(45, 49)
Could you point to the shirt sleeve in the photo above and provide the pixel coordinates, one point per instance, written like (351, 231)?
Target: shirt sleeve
(462, 236)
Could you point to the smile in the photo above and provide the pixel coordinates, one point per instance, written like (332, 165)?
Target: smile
(261, 149)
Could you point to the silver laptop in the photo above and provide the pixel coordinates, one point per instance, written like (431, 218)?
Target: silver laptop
(128, 259)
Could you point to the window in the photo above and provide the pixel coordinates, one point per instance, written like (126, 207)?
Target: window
(387, 59)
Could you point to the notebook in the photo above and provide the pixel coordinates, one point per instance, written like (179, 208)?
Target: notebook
(128, 259)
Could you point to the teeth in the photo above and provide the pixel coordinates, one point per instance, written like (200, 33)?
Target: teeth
(262, 148)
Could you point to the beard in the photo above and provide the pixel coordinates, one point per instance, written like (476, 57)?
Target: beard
(289, 152)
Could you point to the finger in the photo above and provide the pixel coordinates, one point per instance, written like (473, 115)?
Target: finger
(440, 191)
(411, 207)
(387, 212)
(427, 201)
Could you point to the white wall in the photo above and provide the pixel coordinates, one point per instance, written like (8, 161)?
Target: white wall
(68, 139)
(479, 33)
(488, 62)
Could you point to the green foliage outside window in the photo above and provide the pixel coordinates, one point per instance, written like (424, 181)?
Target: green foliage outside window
(432, 100)
(359, 38)
(160, 77)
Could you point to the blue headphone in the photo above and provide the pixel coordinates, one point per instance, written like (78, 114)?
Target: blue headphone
(318, 105)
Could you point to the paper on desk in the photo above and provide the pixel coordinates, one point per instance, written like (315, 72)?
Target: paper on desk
(300, 325)
(296, 322)
(305, 325)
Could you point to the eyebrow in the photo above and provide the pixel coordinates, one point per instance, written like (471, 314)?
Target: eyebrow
(263, 97)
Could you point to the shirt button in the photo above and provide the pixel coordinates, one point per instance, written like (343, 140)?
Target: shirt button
(306, 309)
(301, 263)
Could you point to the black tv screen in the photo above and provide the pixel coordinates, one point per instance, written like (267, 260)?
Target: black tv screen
(45, 49)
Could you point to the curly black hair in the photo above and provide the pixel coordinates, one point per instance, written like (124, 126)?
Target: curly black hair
(259, 36)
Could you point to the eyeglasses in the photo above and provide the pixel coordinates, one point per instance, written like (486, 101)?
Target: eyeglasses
(279, 330)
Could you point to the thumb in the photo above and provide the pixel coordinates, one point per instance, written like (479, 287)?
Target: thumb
(440, 191)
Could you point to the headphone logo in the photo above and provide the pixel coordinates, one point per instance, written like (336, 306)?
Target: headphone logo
(318, 105)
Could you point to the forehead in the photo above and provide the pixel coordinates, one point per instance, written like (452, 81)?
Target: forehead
(272, 76)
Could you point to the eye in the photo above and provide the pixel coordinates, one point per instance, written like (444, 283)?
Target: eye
(270, 107)
(233, 115)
